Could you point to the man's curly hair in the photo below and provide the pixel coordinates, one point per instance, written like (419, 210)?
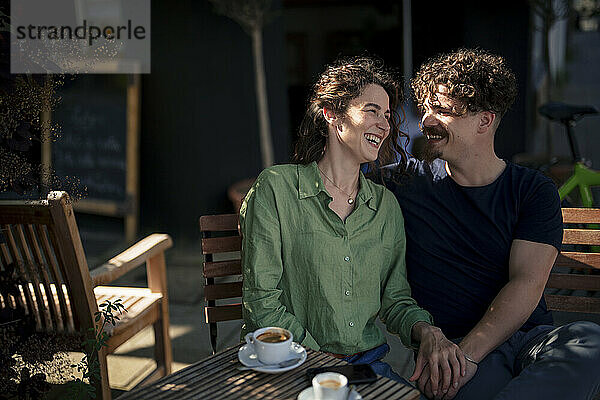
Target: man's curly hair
(479, 80)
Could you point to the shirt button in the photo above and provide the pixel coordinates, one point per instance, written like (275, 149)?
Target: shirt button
(351, 323)
(347, 293)
(346, 258)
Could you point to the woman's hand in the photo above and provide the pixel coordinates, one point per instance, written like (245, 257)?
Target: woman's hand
(470, 372)
(443, 361)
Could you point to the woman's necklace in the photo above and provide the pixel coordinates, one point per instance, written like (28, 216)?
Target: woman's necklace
(350, 199)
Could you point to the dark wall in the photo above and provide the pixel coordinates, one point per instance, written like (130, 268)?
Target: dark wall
(503, 31)
(199, 122)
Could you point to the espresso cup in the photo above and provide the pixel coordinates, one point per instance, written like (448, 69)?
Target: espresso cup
(330, 386)
(272, 345)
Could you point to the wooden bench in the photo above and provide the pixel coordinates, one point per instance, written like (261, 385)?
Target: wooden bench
(41, 239)
(574, 283)
(571, 287)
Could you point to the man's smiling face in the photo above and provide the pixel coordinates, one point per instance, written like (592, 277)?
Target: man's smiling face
(448, 130)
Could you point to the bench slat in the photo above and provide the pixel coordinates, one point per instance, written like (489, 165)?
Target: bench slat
(219, 223)
(574, 259)
(575, 282)
(222, 268)
(581, 215)
(581, 236)
(223, 313)
(573, 303)
(221, 244)
(17, 214)
(223, 291)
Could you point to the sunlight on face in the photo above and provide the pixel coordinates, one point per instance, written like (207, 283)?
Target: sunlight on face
(365, 124)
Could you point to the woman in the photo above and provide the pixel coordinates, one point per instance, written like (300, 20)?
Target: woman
(323, 247)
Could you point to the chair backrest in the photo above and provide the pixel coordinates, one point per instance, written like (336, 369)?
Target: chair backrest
(40, 240)
(220, 235)
(571, 285)
(575, 277)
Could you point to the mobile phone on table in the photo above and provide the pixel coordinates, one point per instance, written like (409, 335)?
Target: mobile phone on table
(356, 373)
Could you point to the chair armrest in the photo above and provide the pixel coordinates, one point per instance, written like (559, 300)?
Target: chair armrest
(131, 258)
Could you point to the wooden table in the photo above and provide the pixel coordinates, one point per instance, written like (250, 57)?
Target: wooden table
(218, 377)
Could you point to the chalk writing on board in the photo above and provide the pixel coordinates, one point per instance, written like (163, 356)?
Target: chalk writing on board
(93, 142)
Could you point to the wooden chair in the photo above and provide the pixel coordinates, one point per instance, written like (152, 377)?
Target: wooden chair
(574, 279)
(218, 274)
(42, 239)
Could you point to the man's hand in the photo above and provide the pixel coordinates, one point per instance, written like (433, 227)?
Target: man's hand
(443, 361)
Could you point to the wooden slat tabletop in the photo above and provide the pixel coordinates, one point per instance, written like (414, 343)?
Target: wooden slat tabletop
(218, 377)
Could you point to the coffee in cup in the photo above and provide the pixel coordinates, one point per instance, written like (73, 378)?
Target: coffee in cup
(330, 383)
(272, 345)
(273, 336)
(330, 386)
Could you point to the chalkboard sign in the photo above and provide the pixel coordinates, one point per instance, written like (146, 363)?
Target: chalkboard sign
(93, 144)
(99, 119)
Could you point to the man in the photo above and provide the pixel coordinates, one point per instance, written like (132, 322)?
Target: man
(482, 236)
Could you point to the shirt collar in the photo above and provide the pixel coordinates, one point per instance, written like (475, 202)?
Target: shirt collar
(309, 181)
(310, 184)
(365, 194)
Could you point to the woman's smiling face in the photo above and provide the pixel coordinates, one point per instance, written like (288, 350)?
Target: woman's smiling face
(365, 124)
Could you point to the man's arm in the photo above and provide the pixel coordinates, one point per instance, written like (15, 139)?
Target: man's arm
(529, 266)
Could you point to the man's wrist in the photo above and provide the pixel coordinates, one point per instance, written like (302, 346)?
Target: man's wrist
(469, 359)
(470, 349)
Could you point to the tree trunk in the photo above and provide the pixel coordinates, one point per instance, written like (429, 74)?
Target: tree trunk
(266, 144)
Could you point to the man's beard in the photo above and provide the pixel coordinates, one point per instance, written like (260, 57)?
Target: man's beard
(430, 153)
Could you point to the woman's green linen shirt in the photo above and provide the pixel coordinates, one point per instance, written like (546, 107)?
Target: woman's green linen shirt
(326, 280)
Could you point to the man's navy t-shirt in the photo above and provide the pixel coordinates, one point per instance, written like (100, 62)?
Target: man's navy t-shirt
(458, 239)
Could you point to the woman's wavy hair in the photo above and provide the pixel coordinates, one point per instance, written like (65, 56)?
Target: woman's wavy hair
(479, 80)
(342, 81)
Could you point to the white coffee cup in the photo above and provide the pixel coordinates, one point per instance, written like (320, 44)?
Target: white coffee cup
(272, 345)
(330, 386)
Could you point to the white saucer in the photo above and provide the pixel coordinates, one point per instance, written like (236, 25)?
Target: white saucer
(247, 356)
(308, 394)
